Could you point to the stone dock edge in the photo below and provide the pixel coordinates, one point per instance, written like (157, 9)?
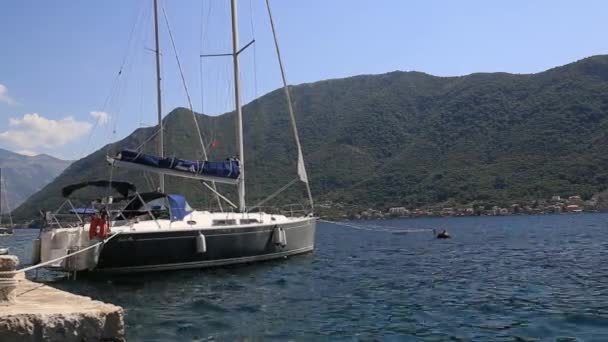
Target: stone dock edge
(44, 313)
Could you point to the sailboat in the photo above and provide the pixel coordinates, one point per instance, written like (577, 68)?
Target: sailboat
(157, 230)
(5, 230)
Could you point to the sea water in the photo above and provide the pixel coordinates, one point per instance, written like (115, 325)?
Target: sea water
(498, 279)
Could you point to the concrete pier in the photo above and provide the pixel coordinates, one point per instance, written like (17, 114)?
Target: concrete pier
(38, 312)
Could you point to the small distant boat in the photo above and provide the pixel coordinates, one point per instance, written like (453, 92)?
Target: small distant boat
(5, 231)
(442, 235)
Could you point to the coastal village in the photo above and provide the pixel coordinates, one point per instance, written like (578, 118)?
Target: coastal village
(554, 205)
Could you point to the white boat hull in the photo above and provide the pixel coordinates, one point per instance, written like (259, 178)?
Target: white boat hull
(171, 249)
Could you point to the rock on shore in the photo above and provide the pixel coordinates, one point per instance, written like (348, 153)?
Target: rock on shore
(43, 313)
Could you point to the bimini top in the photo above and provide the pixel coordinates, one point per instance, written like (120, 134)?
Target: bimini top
(122, 188)
(227, 171)
(175, 204)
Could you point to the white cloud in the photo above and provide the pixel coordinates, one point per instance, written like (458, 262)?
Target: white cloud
(101, 117)
(28, 153)
(4, 95)
(34, 131)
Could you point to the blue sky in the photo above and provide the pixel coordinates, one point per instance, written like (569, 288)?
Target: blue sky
(59, 92)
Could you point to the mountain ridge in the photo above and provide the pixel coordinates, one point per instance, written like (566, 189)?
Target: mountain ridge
(405, 138)
(24, 175)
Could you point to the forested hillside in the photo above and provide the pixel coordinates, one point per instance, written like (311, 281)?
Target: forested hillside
(402, 138)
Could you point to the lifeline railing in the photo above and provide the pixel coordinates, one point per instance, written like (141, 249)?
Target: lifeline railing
(50, 262)
(121, 217)
(58, 219)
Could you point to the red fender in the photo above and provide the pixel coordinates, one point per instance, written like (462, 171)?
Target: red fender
(95, 222)
(103, 228)
(99, 227)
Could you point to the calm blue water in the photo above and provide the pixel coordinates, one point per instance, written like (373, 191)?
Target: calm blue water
(498, 279)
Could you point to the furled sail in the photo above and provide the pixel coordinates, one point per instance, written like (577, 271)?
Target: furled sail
(301, 168)
(227, 171)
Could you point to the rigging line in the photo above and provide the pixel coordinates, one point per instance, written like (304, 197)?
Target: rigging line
(202, 88)
(274, 194)
(149, 182)
(198, 129)
(87, 144)
(256, 92)
(204, 23)
(179, 66)
(255, 104)
(255, 65)
(114, 85)
(203, 36)
(156, 131)
(140, 115)
(202, 84)
(201, 39)
(219, 195)
(131, 36)
(128, 50)
(110, 183)
(140, 35)
(304, 176)
(49, 262)
(367, 228)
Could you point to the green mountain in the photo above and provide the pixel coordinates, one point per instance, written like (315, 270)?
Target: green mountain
(25, 175)
(403, 138)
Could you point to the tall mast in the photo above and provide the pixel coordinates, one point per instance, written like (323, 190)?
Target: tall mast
(237, 102)
(161, 144)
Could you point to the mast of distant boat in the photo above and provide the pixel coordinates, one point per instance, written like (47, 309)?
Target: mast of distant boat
(6, 204)
(239, 112)
(161, 145)
(3, 192)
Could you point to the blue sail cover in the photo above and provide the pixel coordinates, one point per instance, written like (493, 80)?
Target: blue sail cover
(178, 207)
(225, 169)
(83, 211)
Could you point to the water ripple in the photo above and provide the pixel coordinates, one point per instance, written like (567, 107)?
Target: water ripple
(500, 279)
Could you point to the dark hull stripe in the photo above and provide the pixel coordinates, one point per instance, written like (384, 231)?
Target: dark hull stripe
(177, 249)
(203, 264)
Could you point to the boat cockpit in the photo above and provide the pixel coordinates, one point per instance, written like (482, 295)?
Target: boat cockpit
(128, 207)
